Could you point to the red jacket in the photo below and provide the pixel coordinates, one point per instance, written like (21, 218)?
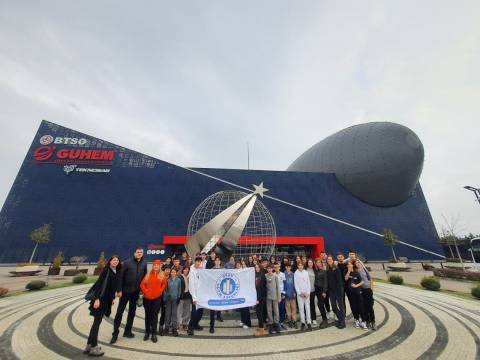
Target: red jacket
(152, 287)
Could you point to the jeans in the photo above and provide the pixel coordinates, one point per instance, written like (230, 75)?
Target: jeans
(259, 310)
(281, 310)
(183, 311)
(321, 303)
(367, 295)
(195, 317)
(171, 313)
(93, 336)
(131, 299)
(313, 311)
(212, 318)
(245, 316)
(152, 307)
(336, 300)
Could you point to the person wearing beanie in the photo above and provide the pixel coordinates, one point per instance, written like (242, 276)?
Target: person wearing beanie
(152, 286)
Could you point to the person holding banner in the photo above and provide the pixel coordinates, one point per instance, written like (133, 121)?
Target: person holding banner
(193, 282)
(217, 265)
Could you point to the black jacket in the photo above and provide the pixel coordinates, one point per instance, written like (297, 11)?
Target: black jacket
(131, 276)
(104, 290)
(261, 285)
(335, 281)
(321, 283)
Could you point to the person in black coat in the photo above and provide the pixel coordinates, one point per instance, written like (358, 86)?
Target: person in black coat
(335, 284)
(261, 287)
(321, 289)
(103, 296)
(128, 290)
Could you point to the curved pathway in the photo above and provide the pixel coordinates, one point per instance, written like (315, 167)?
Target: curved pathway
(412, 324)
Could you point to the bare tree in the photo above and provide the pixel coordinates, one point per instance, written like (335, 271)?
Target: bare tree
(449, 230)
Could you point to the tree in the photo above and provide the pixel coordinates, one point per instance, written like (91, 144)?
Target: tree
(101, 261)
(40, 236)
(390, 239)
(57, 261)
(77, 260)
(449, 229)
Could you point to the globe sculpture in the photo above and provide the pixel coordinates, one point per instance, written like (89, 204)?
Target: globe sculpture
(258, 236)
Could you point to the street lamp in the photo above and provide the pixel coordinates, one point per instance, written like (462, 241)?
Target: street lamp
(476, 191)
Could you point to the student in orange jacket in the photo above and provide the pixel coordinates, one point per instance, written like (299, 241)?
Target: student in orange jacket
(153, 286)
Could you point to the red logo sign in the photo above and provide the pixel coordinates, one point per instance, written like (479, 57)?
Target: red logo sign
(43, 153)
(74, 156)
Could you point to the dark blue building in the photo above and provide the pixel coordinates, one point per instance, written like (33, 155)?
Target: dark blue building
(102, 197)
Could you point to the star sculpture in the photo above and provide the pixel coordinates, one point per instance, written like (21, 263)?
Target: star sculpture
(259, 189)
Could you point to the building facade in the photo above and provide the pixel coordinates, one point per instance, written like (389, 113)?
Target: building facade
(101, 197)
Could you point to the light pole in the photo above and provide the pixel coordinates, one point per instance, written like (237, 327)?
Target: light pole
(476, 191)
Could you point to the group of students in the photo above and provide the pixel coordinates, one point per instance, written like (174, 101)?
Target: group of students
(170, 290)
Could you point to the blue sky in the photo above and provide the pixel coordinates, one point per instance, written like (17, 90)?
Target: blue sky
(192, 82)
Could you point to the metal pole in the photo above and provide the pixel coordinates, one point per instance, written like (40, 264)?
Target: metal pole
(248, 156)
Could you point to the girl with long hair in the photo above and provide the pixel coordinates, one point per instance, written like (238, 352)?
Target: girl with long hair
(102, 295)
(153, 286)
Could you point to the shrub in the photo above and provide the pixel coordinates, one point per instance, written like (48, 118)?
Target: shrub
(35, 285)
(476, 292)
(80, 278)
(3, 291)
(430, 283)
(396, 279)
(457, 274)
(101, 261)
(57, 261)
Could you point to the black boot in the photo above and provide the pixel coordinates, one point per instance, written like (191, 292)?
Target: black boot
(114, 338)
(270, 329)
(160, 331)
(154, 338)
(129, 335)
(146, 336)
(174, 332)
(277, 328)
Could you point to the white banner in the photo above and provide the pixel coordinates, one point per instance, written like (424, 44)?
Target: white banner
(226, 289)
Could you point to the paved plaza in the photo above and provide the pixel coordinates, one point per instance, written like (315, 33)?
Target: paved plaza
(411, 323)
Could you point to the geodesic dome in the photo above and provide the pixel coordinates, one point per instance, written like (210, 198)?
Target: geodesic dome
(259, 235)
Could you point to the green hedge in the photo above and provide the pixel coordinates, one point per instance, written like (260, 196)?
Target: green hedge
(35, 285)
(396, 279)
(476, 292)
(80, 278)
(430, 283)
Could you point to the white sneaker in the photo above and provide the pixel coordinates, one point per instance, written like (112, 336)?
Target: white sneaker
(363, 326)
(356, 324)
(245, 327)
(240, 324)
(314, 322)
